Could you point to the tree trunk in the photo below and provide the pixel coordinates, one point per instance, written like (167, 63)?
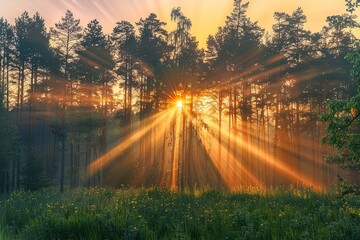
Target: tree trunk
(62, 164)
(219, 139)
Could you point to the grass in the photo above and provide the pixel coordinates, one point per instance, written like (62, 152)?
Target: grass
(161, 214)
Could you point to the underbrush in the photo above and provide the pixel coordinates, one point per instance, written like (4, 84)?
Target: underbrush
(99, 213)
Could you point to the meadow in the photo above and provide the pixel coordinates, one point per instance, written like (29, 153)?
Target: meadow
(99, 213)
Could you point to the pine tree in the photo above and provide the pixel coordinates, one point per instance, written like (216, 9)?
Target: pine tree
(94, 66)
(66, 36)
(124, 48)
(6, 48)
(151, 50)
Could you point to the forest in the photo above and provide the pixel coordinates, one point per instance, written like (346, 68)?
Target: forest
(146, 107)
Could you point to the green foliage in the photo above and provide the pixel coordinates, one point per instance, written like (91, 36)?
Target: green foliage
(34, 176)
(152, 40)
(343, 132)
(352, 5)
(66, 37)
(160, 214)
(95, 56)
(9, 143)
(4, 234)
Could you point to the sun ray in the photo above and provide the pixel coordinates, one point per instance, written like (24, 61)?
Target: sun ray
(116, 151)
(230, 176)
(266, 158)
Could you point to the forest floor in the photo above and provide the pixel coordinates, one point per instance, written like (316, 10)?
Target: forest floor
(99, 213)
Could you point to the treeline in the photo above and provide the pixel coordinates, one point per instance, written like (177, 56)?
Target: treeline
(76, 92)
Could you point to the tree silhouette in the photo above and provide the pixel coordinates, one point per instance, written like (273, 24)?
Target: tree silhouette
(125, 47)
(255, 98)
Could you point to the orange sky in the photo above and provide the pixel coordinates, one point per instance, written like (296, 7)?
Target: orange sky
(206, 15)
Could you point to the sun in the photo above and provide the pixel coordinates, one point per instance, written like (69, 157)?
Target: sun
(179, 104)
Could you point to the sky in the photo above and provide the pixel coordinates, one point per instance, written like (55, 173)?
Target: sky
(206, 15)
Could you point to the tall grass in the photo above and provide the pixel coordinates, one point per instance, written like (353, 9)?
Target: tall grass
(161, 214)
(4, 234)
